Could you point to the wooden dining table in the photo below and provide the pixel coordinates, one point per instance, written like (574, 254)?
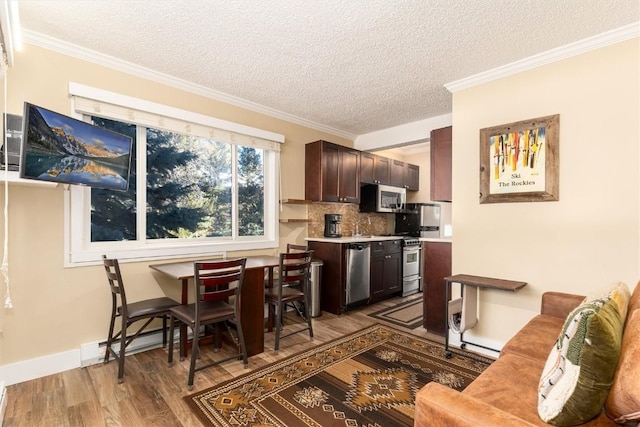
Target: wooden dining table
(251, 296)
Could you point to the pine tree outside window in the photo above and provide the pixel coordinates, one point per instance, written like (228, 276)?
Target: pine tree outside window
(190, 193)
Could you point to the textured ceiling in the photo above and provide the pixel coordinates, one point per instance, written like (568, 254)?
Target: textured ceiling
(356, 66)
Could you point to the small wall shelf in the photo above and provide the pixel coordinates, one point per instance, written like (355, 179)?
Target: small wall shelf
(295, 202)
(13, 177)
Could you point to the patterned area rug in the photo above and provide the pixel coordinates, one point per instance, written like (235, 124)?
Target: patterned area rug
(407, 314)
(368, 378)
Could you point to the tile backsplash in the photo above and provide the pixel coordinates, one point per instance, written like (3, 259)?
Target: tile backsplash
(368, 223)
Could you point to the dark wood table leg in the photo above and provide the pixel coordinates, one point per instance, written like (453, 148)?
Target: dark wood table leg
(252, 310)
(271, 315)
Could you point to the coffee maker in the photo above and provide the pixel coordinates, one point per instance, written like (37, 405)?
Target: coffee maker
(332, 225)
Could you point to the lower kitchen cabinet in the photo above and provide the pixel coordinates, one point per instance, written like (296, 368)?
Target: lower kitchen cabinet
(332, 288)
(385, 272)
(437, 266)
(386, 269)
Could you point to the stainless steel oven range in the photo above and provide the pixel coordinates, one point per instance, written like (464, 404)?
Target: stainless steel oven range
(411, 266)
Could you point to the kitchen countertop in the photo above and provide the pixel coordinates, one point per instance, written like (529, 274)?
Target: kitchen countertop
(436, 239)
(354, 239)
(351, 239)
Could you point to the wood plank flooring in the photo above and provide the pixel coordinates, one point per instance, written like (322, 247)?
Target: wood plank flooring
(151, 394)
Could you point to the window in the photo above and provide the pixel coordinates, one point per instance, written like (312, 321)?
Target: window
(193, 189)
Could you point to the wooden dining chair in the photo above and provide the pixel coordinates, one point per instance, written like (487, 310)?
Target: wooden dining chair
(291, 248)
(130, 313)
(292, 286)
(215, 283)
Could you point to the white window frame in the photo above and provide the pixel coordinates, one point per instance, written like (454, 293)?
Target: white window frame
(80, 251)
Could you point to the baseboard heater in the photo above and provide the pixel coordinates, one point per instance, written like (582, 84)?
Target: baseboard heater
(95, 353)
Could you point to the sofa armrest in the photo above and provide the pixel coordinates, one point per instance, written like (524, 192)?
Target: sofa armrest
(439, 405)
(559, 304)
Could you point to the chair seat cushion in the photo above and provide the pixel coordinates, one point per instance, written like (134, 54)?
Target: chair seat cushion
(211, 312)
(149, 307)
(288, 294)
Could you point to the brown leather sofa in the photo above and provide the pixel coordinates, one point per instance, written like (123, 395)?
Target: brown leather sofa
(506, 394)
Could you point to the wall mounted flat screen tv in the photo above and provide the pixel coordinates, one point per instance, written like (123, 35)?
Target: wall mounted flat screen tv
(58, 148)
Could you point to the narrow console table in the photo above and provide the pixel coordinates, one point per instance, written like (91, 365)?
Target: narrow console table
(477, 282)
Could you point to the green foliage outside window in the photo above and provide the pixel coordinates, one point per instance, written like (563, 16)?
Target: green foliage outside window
(189, 190)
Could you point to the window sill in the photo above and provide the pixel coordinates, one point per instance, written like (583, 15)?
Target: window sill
(158, 252)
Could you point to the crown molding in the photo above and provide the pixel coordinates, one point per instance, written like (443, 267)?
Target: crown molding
(582, 46)
(98, 58)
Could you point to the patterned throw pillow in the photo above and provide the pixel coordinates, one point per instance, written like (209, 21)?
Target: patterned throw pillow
(580, 367)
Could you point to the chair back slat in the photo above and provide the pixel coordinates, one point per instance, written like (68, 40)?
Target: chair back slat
(296, 248)
(114, 277)
(295, 267)
(218, 280)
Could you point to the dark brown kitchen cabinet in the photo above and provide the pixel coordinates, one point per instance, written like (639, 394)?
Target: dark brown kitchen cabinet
(437, 266)
(441, 147)
(332, 173)
(374, 169)
(385, 269)
(405, 175)
(332, 288)
(397, 173)
(412, 177)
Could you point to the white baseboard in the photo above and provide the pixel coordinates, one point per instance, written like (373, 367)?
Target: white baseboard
(87, 355)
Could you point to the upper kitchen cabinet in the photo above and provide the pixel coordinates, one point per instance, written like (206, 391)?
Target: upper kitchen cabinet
(374, 169)
(405, 175)
(332, 173)
(397, 173)
(441, 145)
(412, 177)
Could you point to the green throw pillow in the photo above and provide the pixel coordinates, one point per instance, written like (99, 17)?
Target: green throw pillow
(580, 368)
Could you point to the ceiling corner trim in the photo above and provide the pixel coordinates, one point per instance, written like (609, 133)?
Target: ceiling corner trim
(101, 59)
(582, 46)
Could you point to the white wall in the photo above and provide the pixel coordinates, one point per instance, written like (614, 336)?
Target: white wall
(590, 237)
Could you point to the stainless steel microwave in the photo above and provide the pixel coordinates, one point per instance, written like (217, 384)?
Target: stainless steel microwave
(382, 198)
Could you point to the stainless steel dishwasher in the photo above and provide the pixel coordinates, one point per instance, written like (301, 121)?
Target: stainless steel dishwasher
(358, 261)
